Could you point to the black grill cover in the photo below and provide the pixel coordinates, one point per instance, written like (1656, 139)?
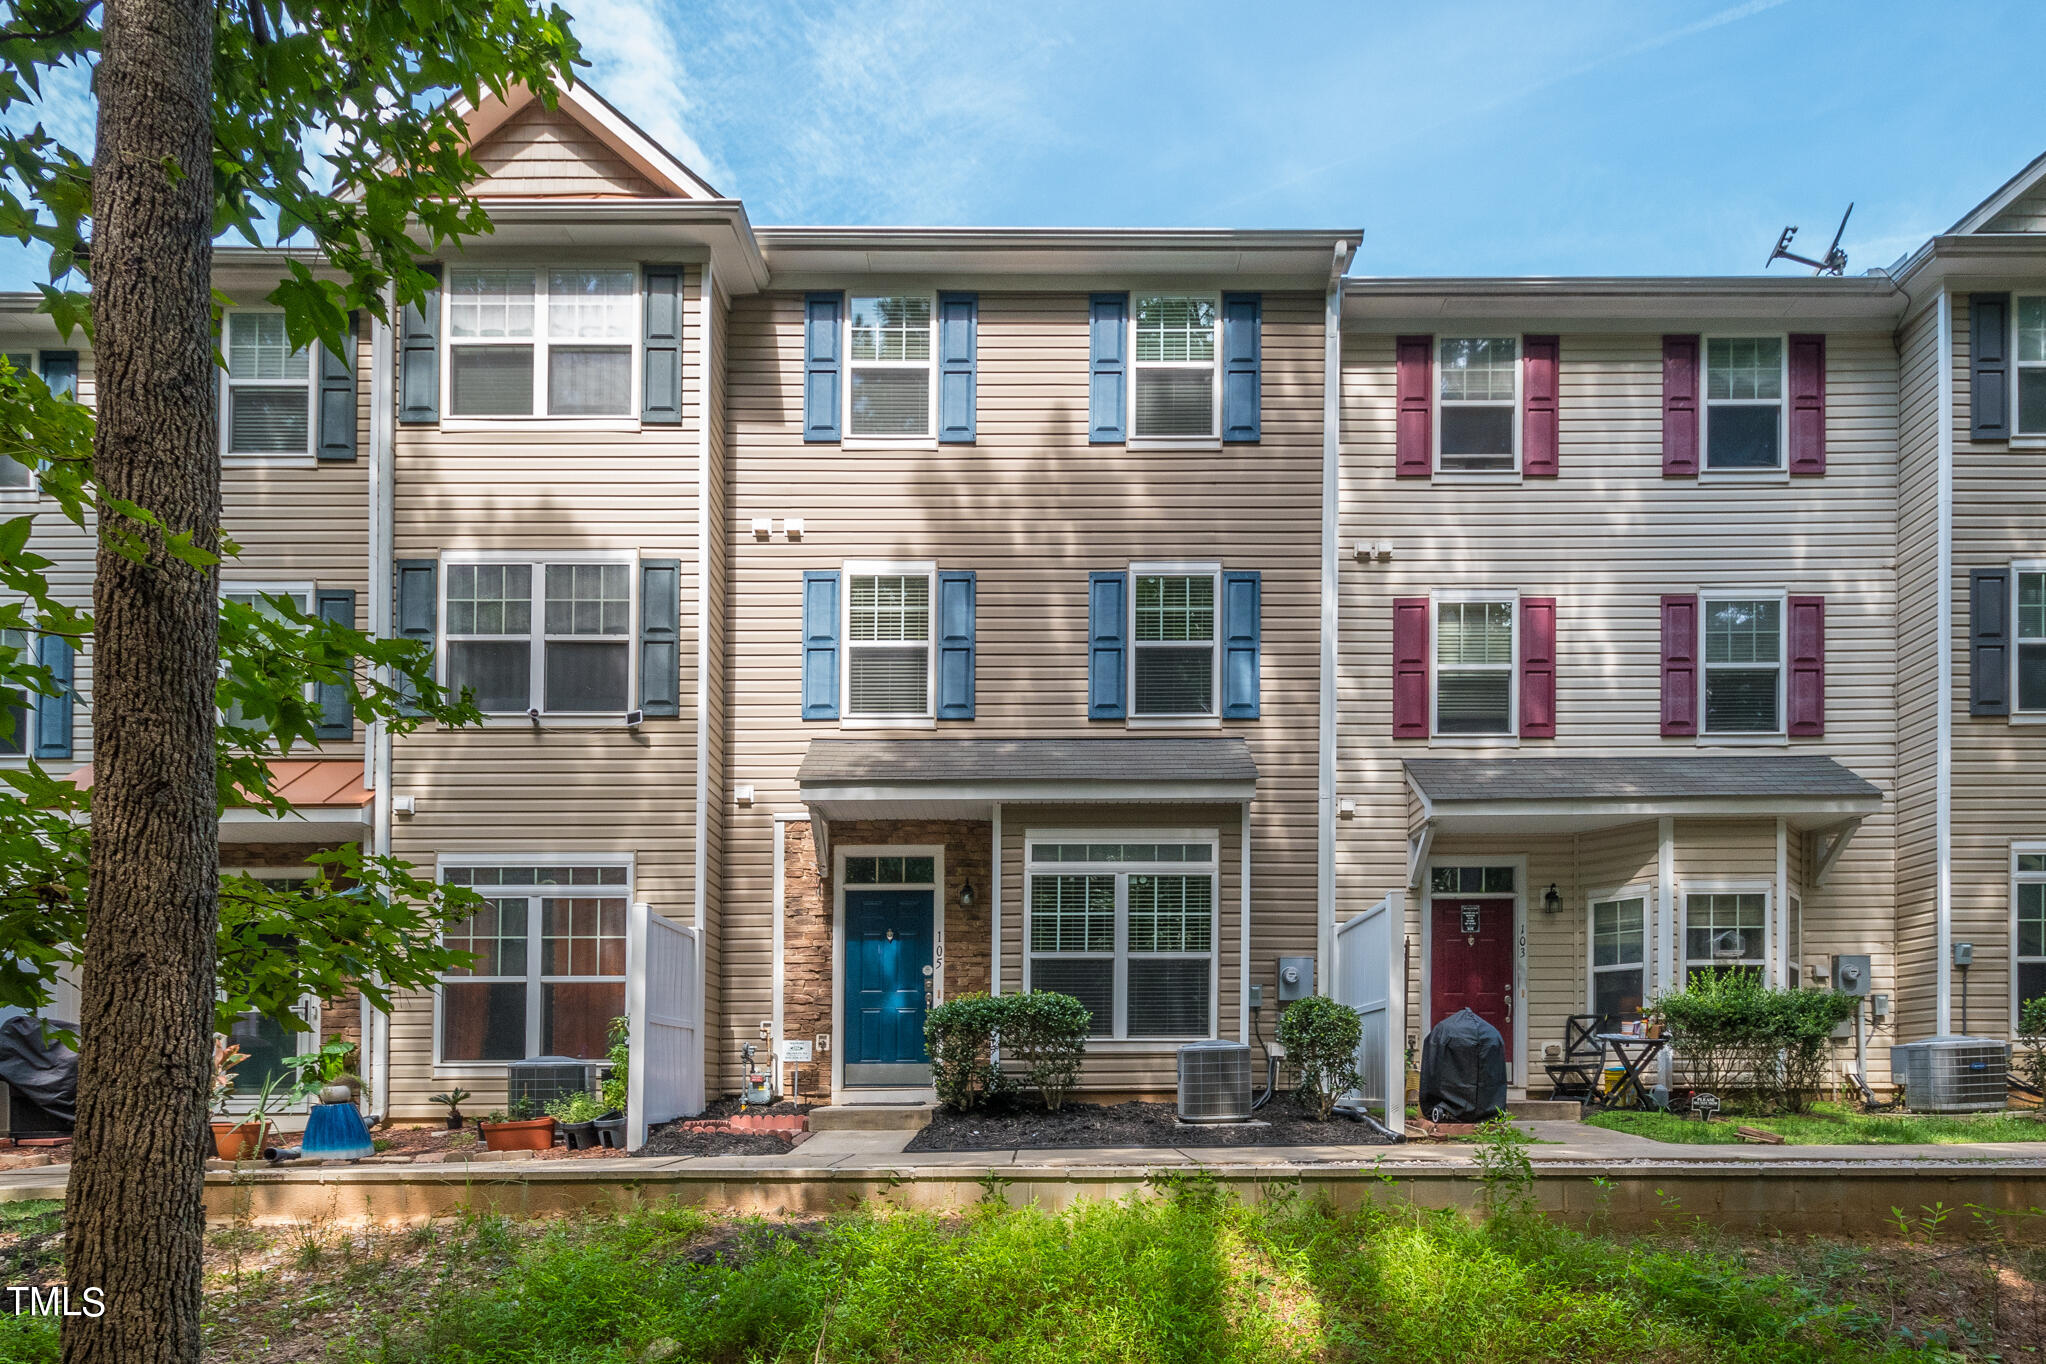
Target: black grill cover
(1463, 1070)
(43, 1075)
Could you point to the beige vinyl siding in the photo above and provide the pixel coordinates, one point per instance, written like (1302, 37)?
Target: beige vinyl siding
(539, 152)
(1999, 768)
(710, 605)
(1918, 699)
(505, 789)
(2027, 213)
(1607, 538)
(1031, 508)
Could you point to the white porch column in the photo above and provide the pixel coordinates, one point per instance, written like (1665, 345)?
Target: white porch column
(1669, 953)
(994, 905)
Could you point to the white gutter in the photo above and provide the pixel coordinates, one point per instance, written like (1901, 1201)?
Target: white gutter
(1331, 558)
(1943, 780)
(377, 748)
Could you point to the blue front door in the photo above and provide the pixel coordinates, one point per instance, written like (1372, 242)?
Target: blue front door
(888, 977)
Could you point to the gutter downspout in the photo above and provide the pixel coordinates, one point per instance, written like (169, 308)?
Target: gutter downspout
(1943, 779)
(704, 605)
(1331, 533)
(382, 437)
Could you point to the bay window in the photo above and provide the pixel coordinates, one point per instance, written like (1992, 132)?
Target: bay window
(1724, 931)
(1744, 383)
(888, 622)
(268, 404)
(1743, 658)
(1478, 396)
(1475, 665)
(553, 636)
(891, 373)
(530, 342)
(1173, 662)
(547, 973)
(1127, 926)
(1174, 379)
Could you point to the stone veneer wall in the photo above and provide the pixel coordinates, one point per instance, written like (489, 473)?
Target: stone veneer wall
(806, 921)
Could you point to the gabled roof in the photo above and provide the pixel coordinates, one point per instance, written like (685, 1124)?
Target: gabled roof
(2018, 187)
(616, 134)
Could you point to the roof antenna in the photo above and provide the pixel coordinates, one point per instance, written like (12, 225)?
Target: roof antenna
(1835, 262)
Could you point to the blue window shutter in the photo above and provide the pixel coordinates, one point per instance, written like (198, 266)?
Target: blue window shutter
(336, 700)
(419, 356)
(416, 585)
(1107, 645)
(1108, 340)
(820, 645)
(53, 713)
(958, 363)
(1242, 356)
(660, 637)
(1242, 595)
(822, 314)
(337, 398)
(955, 644)
(660, 389)
(60, 372)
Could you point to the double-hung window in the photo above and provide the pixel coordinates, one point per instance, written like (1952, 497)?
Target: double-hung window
(17, 704)
(2028, 910)
(16, 477)
(1125, 923)
(268, 404)
(2028, 656)
(1743, 664)
(553, 636)
(1619, 953)
(1744, 383)
(2031, 365)
(528, 342)
(1475, 668)
(1478, 393)
(891, 375)
(1175, 389)
(888, 654)
(1724, 931)
(548, 968)
(1174, 661)
(262, 598)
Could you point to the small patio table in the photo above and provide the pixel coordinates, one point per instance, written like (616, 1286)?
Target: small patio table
(1634, 1054)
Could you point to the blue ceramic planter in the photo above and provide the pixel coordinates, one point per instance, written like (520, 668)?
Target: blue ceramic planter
(336, 1132)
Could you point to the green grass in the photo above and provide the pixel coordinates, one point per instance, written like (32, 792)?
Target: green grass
(1833, 1125)
(29, 1232)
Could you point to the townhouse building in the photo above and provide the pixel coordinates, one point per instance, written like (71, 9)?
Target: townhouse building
(906, 613)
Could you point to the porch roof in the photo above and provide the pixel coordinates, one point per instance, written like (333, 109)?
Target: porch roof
(966, 778)
(1526, 795)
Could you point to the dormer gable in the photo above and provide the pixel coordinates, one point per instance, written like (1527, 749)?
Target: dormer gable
(582, 148)
(2019, 206)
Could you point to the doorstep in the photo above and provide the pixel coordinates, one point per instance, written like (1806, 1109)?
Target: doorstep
(872, 1117)
(1545, 1110)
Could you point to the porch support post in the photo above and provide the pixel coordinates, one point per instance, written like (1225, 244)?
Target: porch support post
(778, 948)
(1243, 931)
(994, 903)
(1777, 930)
(1667, 955)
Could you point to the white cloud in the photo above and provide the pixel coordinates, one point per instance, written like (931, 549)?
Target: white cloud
(636, 63)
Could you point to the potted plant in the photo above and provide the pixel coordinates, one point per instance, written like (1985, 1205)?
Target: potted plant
(328, 1073)
(516, 1128)
(236, 1138)
(577, 1114)
(611, 1125)
(453, 1100)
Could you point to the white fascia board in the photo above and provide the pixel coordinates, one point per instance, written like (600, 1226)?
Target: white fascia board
(1466, 816)
(1033, 792)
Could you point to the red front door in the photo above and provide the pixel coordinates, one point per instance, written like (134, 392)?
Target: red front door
(1472, 943)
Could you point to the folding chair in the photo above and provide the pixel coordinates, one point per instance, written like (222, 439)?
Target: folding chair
(1578, 1074)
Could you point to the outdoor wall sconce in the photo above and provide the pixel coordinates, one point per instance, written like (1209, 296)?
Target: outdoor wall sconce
(966, 896)
(1552, 901)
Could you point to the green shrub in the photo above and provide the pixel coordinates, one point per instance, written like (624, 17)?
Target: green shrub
(1754, 1046)
(960, 1037)
(620, 1056)
(577, 1107)
(1320, 1037)
(1045, 1035)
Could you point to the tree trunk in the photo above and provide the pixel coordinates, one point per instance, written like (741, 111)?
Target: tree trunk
(134, 1221)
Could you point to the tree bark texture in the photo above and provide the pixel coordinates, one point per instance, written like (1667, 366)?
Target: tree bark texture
(134, 1218)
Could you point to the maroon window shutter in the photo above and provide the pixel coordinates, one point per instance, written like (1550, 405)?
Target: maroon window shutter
(1415, 438)
(1807, 666)
(1679, 666)
(1807, 404)
(1409, 667)
(1679, 406)
(1539, 394)
(1537, 667)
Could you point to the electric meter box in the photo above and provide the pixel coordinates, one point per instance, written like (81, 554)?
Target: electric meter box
(1851, 975)
(1296, 978)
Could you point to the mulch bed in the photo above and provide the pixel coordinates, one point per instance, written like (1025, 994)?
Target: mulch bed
(1011, 1126)
(677, 1139)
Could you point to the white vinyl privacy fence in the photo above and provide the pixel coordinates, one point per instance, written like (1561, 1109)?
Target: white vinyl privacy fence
(664, 1010)
(1371, 977)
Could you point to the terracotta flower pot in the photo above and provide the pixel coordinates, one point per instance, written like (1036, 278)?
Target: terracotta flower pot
(239, 1140)
(527, 1134)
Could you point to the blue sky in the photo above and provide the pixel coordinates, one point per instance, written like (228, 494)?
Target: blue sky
(1651, 137)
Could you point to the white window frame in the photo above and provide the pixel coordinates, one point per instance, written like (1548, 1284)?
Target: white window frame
(1436, 600)
(1173, 569)
(536, 689)
(1519, 398)
(289, 459)
(2018, 568)
(1706, 403)
(308, 1008)
(1759, 959)
(2018, 367)
(33, 490)
(886, 568)
(1118, 1036)
(34, 701)
(2018, 849)
(1213, 440)
(1746, 736)
(928, 440)
(266, 588)
(535, 978)
(540, 419)
(1646, 895)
